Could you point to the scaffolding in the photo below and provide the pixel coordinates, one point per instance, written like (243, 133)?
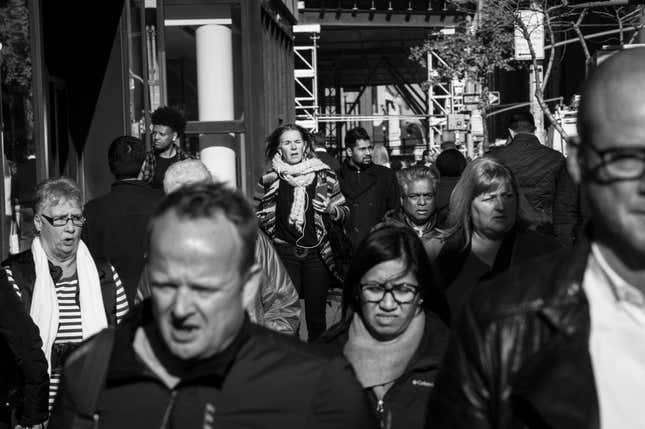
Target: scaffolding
(305, 74)
(444, 98)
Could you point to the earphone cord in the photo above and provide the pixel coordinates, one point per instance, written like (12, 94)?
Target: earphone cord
(304, 227)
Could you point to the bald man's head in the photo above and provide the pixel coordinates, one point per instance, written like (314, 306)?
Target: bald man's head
(187, 172)
(613, 91)
(609, 163)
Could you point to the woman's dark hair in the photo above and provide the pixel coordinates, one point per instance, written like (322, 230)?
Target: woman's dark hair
(273, 140)
(387, 244)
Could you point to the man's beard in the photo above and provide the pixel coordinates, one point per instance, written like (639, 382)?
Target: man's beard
(367, 160)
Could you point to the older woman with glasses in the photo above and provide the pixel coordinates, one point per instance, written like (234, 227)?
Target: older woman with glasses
(393, 330)
(68, 294)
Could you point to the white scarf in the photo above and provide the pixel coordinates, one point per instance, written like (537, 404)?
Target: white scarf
(299, 176)
(44, 302)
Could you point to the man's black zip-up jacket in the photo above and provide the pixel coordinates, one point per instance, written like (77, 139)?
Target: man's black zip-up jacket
(262, 380)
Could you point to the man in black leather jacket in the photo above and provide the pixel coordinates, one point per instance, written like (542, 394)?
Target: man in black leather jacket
(558, 342)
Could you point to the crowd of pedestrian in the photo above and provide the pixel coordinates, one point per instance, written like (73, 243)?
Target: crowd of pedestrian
(473, 296)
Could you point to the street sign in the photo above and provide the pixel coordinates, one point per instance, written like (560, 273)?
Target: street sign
(533, 20)
(476, 124)
(493, 98)
(457, 122)
(471, 99)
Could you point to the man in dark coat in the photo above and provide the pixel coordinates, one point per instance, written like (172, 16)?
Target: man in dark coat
(541, 174)
(558, 342)
(189, 357)
(371, 190)
(116, 222)
(24, 382)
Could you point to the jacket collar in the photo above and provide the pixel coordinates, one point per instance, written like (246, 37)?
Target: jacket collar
(130, 183)
(399, 215)
(558, 382)
(526, 138)
(126, 366)
(355, 168)
(432, 347)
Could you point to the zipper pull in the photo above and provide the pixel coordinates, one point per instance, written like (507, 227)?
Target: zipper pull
(379, 406)
(169, 409)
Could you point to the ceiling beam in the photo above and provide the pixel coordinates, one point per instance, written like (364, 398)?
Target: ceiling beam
(375, 19)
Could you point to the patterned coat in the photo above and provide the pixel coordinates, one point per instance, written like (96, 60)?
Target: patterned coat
(266, 202)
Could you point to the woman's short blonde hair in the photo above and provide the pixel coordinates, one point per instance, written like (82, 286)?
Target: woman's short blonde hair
(53, 191)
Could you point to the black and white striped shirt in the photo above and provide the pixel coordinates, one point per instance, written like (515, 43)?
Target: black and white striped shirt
(70, 329)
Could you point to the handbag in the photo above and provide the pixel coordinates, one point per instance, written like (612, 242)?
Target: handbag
(340, 245)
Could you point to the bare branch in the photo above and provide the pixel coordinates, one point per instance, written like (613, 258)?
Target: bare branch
(547, 72)
(620, 27)
(581, 37)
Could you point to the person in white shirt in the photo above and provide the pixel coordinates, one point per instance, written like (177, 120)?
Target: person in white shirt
(559, 342)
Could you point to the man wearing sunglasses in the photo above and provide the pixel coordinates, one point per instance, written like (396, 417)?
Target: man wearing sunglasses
(560, 342)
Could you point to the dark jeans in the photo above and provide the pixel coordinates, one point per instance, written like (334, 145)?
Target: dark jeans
(311, 278)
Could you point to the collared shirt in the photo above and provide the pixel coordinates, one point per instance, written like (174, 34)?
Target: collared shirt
(616, 343)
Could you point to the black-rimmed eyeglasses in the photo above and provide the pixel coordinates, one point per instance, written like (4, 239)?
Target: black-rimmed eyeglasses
(77, 220)
(617, 163)
(403, 293)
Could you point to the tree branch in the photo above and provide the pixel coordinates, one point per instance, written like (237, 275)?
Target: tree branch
(547, 72)
(620, 27)
(539, 93)
(581, 37)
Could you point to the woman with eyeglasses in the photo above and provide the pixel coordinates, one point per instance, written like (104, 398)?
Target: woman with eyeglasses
(487, 230)
(394, 325)
(69, 295)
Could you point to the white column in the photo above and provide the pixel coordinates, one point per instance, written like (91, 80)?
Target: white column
(215, 97)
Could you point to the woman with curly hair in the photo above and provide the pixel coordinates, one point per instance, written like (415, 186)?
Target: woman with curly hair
(293, 199)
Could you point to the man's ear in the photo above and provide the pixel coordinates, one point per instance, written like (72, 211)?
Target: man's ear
(253, 279)
(175, 136)
(573, 159)
(38, 223)
(349, 152)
